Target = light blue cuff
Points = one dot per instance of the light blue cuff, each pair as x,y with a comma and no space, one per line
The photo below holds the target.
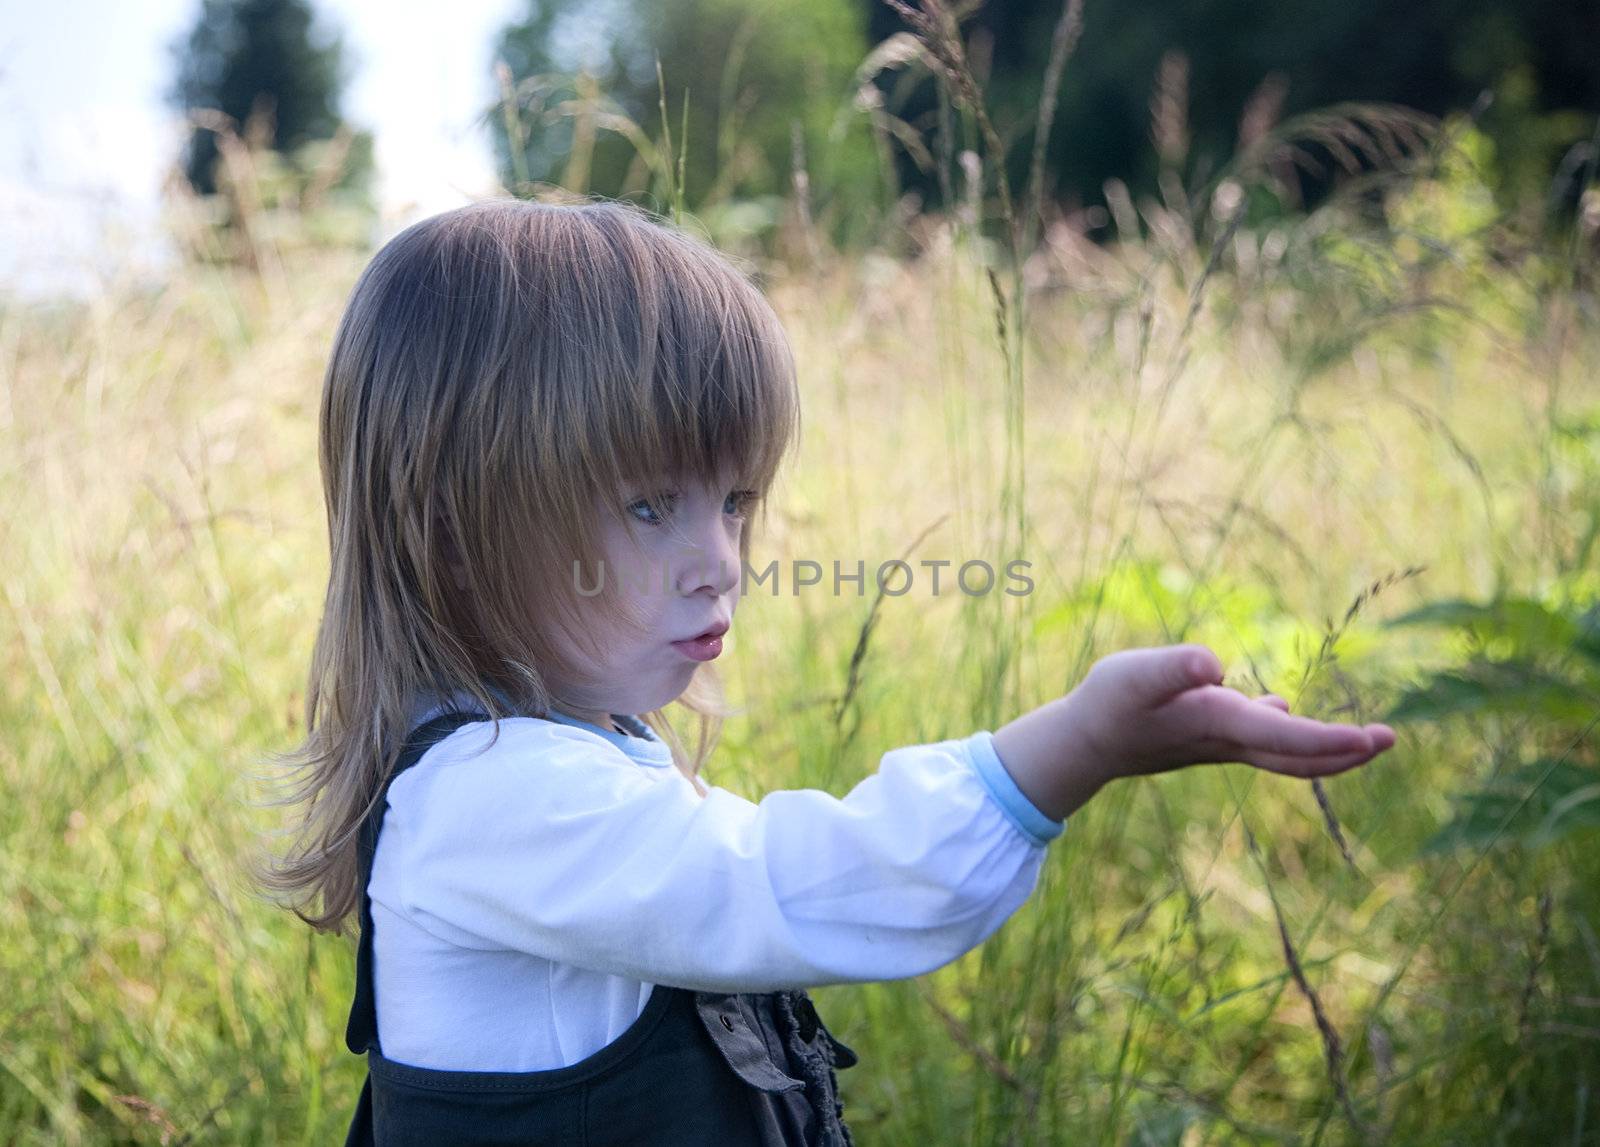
1021,811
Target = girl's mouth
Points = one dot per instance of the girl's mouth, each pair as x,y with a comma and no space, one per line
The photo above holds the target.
705,647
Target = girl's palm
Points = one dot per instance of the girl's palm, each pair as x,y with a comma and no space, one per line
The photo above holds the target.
1163,708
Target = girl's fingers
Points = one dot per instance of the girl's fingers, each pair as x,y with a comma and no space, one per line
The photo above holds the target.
1308,767
1265,728
1382,735
1269,737
1326,764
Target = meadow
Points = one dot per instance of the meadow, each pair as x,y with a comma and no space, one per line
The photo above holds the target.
1279,441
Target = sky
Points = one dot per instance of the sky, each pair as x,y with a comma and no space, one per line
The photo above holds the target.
85,135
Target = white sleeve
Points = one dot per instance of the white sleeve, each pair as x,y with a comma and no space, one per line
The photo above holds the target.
563,847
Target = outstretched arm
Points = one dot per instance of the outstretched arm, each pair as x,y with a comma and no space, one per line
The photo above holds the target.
557,844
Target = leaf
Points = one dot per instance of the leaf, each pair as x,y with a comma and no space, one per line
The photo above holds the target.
1513,687
1566,800
1530,625
1588,639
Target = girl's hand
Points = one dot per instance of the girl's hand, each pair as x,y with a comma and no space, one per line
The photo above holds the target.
1154,710
1142,711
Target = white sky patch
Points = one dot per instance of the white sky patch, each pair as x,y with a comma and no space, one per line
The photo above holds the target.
86,137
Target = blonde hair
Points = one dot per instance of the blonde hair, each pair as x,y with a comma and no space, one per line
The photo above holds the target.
496,366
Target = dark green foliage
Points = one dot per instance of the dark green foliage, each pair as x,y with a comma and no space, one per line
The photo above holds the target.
1533,805
244,56
1247,59
1547,665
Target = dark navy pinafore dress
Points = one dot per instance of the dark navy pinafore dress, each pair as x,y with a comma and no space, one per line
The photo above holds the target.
736,1070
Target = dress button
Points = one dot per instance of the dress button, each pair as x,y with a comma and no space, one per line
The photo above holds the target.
726,1022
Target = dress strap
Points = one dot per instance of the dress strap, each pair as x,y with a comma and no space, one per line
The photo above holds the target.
361,1033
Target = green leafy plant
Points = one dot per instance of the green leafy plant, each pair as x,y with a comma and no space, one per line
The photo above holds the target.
1540,661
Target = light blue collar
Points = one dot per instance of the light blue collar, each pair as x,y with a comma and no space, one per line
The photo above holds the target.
640,742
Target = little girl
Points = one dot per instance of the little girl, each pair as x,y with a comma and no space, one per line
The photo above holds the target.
543,430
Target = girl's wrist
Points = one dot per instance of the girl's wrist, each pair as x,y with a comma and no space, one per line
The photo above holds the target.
1054,756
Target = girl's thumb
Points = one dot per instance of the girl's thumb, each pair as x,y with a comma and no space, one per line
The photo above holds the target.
1151,676
1180,668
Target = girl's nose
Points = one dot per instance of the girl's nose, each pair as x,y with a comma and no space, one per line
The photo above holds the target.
711,558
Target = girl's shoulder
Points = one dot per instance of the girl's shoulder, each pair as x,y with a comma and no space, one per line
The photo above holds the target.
485,766
639,745
511,739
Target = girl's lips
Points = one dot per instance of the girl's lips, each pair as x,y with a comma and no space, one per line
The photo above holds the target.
700,648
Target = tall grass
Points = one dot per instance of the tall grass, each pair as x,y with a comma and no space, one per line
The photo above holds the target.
1203,431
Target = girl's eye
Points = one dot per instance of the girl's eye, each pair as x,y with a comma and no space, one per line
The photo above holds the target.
740,501
657,508
654,511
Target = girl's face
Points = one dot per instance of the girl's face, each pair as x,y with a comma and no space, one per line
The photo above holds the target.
682,576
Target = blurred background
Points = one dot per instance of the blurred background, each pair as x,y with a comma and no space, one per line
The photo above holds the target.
1272,327
114,111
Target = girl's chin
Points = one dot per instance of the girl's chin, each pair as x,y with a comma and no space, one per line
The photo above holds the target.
677,681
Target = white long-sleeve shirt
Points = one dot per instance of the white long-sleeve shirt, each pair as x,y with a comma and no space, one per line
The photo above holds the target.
526,896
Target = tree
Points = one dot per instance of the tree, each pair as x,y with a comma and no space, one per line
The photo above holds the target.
1536,56
766,81
261,57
